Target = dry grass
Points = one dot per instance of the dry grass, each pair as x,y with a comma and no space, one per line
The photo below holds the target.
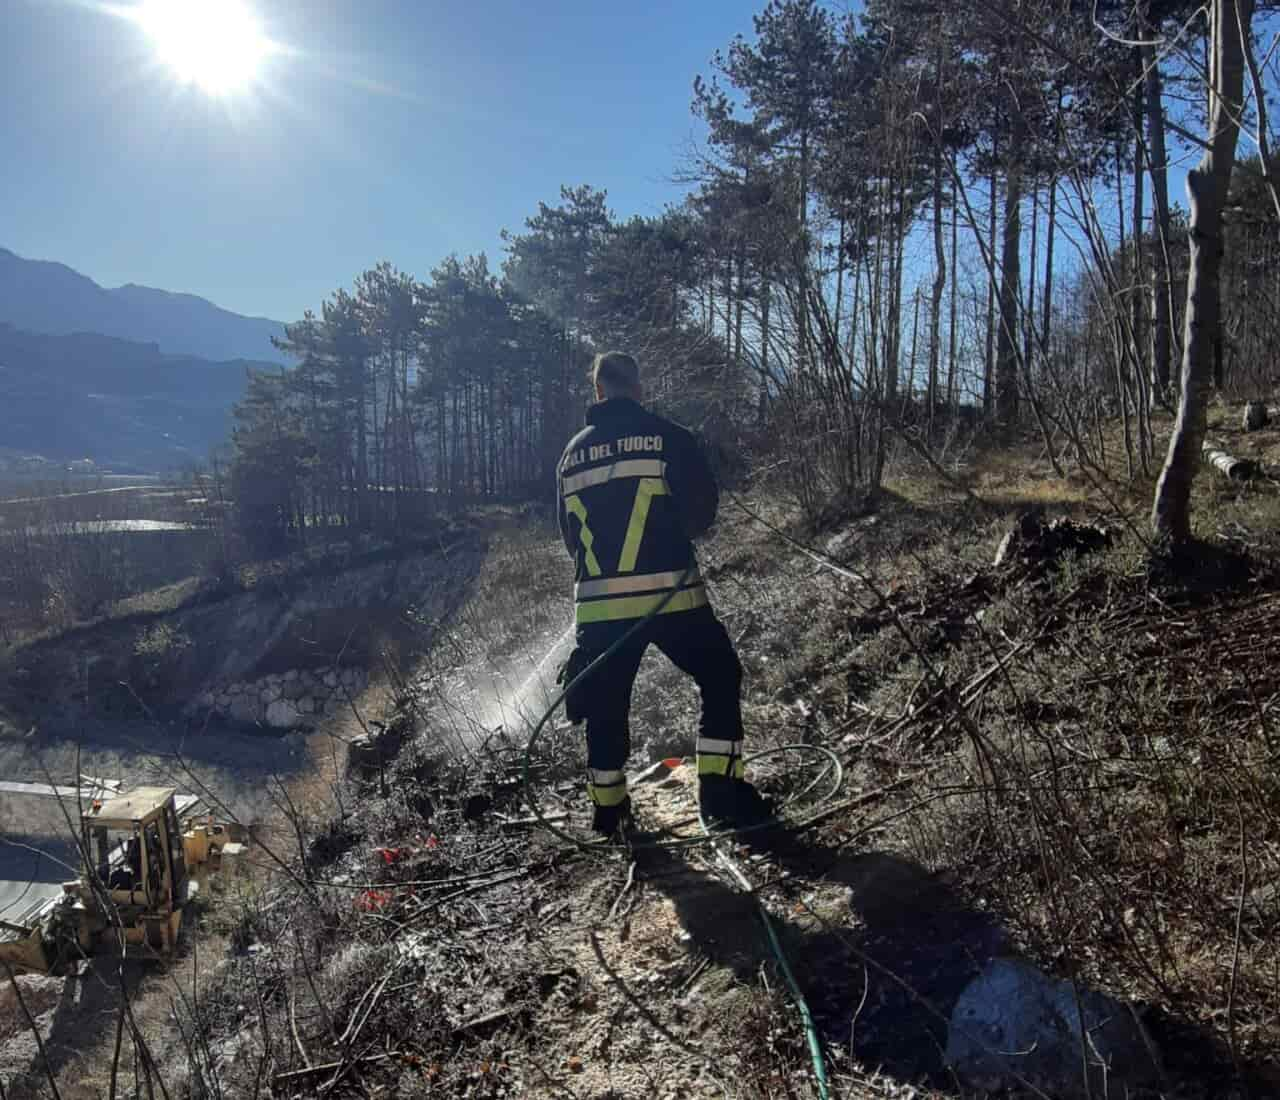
1108,793
1095,790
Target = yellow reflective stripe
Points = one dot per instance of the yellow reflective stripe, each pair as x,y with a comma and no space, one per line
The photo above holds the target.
714,764
646,490
612,795
577,508
635,607
633,583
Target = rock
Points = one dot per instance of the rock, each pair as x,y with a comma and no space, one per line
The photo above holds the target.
40,993
244,709
292,674
282,714
331,679
205,699
1255,416
843,542
1013,1019
293,689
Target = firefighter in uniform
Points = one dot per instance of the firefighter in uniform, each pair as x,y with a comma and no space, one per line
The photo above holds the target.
634,490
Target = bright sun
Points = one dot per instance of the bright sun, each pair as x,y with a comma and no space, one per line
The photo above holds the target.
215,44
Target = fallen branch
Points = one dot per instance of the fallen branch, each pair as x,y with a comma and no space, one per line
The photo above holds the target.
527,822
486,1020
853,803
310,1071
631,877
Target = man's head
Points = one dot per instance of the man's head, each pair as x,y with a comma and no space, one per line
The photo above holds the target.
615,374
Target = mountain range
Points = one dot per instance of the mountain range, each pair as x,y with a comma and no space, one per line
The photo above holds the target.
126,406
42,296
134,379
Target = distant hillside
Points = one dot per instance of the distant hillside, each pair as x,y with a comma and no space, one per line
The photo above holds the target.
40,296
120,403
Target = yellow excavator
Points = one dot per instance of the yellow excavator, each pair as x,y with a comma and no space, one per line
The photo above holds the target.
142,866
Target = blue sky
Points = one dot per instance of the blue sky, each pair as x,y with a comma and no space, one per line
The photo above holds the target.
388,129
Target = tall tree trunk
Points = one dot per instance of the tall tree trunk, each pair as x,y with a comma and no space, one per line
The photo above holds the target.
1162,284
728,303
739,303
1029,319
915,330
1010,284
766,293
835,324
1050,232
989,363
897,260
952,396
362,450
1219,372
1207,191
1137,300
939,277
802,248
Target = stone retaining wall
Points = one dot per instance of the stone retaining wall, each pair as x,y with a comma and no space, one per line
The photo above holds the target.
285,700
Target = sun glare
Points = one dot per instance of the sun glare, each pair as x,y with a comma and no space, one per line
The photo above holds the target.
216,45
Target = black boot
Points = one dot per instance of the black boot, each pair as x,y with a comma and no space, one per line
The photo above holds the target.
727,803
607,820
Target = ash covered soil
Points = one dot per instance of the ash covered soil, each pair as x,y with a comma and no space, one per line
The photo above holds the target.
423,936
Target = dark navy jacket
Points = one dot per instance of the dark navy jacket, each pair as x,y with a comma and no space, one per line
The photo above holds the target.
634,490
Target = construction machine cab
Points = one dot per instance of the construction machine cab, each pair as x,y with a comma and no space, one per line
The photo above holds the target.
134,846
143,865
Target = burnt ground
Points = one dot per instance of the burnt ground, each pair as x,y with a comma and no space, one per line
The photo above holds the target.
1069,759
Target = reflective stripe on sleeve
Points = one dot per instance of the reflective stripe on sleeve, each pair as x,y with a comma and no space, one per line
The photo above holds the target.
641,582
635,607
631,467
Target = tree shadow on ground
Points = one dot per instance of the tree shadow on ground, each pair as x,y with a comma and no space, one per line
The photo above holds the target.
883,974
898,916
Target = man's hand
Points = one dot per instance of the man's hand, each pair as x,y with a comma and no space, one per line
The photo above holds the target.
575,700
